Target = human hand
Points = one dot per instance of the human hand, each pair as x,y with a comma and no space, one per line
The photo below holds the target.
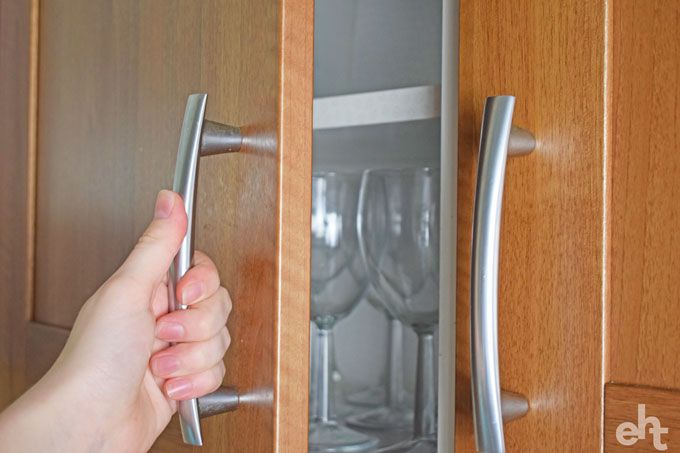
115,385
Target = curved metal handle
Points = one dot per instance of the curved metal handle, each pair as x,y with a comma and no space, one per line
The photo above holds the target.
498,140
197,138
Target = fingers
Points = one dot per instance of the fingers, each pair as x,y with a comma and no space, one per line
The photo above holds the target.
189,358
150,259
199,282
195,386
199,322
192,369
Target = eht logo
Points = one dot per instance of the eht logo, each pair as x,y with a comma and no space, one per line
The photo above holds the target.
627,433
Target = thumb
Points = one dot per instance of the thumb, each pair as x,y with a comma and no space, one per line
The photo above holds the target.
150,260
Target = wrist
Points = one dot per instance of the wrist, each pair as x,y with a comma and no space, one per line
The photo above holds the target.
55,417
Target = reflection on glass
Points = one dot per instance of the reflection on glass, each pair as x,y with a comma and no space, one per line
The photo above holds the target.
395,412
398,225
338,282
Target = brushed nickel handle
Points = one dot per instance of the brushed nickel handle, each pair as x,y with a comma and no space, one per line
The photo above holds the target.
198,137
224,399
489,404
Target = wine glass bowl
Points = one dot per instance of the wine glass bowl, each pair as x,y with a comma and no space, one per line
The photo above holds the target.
398,229
338,273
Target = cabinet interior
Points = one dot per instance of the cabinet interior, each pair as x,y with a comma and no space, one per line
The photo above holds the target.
377,98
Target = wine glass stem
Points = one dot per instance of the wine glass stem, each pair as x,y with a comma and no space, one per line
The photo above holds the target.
395,364
323,405
425,421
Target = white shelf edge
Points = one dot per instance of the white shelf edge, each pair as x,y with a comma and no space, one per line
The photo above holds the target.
377,107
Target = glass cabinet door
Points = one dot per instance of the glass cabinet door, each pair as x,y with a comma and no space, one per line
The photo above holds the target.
376,230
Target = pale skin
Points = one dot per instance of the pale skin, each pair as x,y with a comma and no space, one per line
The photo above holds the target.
116,384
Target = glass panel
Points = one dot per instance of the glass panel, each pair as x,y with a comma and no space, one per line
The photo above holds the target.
375,227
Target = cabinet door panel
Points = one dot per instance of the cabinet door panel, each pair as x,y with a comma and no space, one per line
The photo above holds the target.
551,56
645,246
110,85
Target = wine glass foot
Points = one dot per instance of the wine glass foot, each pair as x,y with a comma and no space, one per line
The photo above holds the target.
330,437
370,397
383,418
421,445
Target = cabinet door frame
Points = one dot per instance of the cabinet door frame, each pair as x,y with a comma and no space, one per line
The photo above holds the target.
448,226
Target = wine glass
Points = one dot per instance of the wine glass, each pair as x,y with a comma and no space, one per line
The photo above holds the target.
398,227
395,412
338,283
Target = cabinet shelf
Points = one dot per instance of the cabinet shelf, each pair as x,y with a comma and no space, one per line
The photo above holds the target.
377,107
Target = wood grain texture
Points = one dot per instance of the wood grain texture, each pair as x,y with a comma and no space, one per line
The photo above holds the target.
296,91
15,210
113,81
108,139
551,56
645,247
621,405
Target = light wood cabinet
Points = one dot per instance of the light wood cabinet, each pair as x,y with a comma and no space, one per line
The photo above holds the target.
551,56
95,98
91,98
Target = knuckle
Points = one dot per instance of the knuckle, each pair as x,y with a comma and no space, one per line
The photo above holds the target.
208,266
203,326
217,375
204,356
212,272
226,339
210,380
198,274
199,256
148,237
226,302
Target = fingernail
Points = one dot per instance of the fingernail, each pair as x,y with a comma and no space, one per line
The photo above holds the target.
192,292
178,388
169,331
164,204
164,365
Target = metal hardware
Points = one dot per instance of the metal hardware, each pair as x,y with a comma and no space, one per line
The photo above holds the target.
219,138
521,142
224,399
498,140
513,406
198,137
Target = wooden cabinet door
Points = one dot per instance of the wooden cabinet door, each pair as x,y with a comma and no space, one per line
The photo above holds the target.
551,55
643,326
91,101
588,310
